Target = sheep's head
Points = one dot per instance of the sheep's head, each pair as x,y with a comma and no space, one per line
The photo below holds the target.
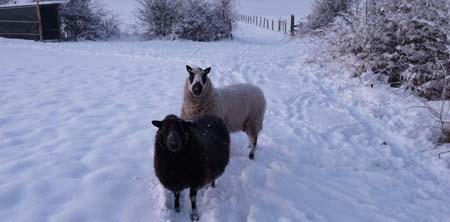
172,132
197,80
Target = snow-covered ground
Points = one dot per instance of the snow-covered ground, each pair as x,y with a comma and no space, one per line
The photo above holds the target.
76,143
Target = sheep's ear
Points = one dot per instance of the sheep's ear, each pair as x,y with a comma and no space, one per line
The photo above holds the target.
157,123
207,70
188,68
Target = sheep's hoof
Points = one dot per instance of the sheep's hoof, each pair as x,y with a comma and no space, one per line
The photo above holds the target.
252,151
195,216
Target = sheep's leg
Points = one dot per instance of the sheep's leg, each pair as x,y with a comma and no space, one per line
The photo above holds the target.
252,134
193,196
252,147
253,140
176,196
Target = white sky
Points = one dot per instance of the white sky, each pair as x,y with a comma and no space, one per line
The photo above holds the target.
300,8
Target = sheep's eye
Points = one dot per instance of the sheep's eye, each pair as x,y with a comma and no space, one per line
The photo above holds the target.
191,77
204,76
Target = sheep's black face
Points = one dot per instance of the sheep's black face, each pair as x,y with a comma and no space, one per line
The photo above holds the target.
197,80
172,130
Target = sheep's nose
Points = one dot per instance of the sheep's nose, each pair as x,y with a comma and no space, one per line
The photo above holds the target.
197,89
173,143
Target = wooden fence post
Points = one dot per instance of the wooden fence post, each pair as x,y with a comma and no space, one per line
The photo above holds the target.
272,24
38,10
292,25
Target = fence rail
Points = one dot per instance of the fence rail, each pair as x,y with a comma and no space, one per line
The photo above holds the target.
276,25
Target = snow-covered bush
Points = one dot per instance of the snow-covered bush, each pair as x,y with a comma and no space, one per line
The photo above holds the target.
198,20
84,20
159,18
404,40
325,11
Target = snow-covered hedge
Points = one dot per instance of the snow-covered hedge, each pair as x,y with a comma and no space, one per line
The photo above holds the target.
406,41
197,20
325,11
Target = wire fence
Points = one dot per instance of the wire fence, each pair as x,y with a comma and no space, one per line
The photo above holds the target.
277,25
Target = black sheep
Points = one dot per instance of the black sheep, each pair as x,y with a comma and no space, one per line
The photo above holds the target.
190,154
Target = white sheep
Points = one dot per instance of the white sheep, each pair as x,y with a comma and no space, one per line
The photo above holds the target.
241,106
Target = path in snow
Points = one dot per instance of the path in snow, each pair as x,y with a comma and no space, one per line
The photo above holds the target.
76,142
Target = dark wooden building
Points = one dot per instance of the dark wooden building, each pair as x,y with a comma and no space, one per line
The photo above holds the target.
21,21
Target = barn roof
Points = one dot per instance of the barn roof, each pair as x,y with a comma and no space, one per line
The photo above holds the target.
19,5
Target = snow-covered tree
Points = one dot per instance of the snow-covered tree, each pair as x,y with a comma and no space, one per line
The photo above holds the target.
325,11
198,20
224,15
207,20
82,19
159,18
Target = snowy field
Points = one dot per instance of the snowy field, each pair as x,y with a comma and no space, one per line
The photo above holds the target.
76,143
